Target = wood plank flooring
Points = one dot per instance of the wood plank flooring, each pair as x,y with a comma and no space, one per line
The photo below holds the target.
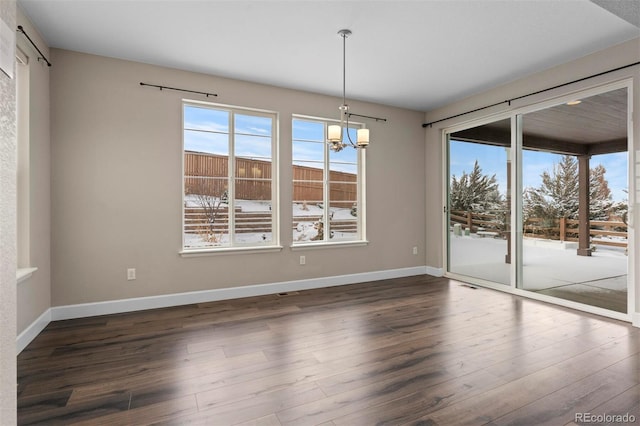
411,351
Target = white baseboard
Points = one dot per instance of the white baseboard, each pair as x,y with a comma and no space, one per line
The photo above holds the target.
30,333
84,310
162,301
436,272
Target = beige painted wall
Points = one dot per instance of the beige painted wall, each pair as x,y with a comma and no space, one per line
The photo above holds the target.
7,235
617,56
34,293
116,184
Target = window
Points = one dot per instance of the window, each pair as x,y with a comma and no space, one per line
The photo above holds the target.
327,186
229,177
23,175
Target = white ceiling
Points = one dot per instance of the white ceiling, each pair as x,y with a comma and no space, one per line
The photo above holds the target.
414,54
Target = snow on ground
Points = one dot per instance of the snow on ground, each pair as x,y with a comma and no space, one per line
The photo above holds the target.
304,233
253,206
196,241
301,210
306,230
545,263
337,213
192,201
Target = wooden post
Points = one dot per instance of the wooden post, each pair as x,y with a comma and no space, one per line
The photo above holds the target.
584,227
563,228
469,221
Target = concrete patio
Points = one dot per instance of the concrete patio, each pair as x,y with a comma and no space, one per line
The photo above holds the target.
550,267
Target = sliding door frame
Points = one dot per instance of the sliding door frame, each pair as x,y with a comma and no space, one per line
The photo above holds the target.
445,198
515,115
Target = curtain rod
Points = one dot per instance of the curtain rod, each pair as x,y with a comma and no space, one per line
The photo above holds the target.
20,29
366,116
179,90
531,94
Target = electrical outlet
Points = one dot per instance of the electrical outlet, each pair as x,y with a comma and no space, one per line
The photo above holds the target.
131,274
415,250
303,260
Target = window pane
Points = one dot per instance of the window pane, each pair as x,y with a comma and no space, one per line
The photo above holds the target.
253,125
253,207
343,211
308,151
325,185
206,130
206,216
345,161
202,141
307,192
252,136
308,130
213,120
343,187
307,220
204,165
258,147
479,208
253,169
317,166
345,169
209,213
308,182
306,170
347,155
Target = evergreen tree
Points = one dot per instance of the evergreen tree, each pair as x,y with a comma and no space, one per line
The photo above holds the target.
620,210
557,196
600,199
475,191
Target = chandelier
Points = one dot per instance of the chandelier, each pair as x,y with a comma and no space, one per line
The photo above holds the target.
335,132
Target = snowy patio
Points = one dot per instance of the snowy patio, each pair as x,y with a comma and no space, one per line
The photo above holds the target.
550,267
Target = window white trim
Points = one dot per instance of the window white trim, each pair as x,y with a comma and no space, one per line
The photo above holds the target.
23,173
228,250
23,274
360,184
234,246
330,244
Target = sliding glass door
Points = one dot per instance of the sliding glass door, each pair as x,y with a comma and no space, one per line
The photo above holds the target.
478,205
564,169
575,201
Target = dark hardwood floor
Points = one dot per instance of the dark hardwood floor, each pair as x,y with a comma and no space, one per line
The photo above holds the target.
415,351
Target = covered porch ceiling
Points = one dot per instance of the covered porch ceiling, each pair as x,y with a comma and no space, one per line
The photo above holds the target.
596,125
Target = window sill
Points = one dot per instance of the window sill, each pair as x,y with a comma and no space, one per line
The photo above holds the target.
307,246
23,274
229,250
